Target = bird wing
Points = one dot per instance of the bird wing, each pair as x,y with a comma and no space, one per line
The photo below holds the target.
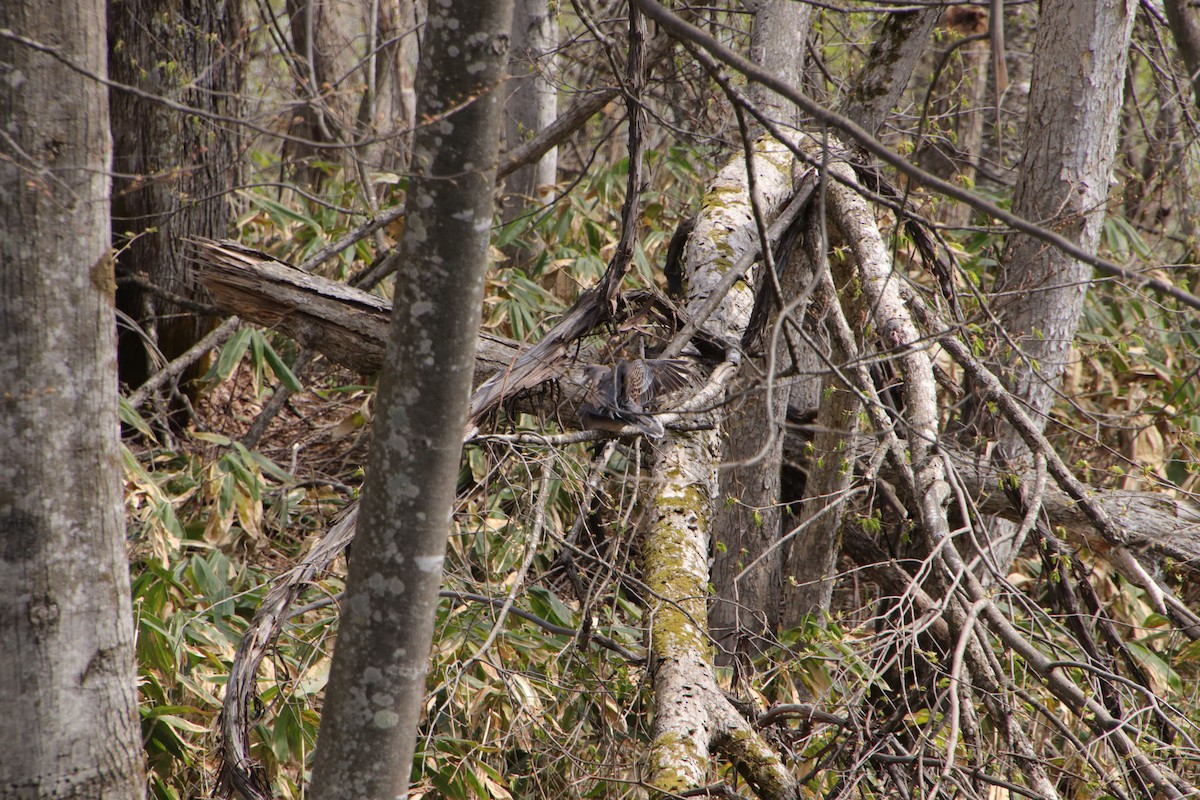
663,376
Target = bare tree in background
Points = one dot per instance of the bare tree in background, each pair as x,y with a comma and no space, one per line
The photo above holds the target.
1081,53
532,104
749,520
351,61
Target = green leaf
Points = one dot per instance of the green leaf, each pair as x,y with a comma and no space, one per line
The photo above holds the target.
133,419
265,464
212,438
281,370
248,480
231,354
547,604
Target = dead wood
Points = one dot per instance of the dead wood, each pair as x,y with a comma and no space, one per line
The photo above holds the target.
239,771
348,327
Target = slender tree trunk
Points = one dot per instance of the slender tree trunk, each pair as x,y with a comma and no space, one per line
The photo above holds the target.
388,112
810,569
67,693
889,66
808,560
1081,53
377,682
1184,19
174,172
532,103
953,136
325,62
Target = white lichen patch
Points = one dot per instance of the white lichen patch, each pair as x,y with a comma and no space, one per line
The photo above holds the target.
726,229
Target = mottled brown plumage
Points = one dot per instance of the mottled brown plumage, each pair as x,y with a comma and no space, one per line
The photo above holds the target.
618,396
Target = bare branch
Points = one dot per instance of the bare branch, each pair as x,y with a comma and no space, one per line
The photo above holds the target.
683,30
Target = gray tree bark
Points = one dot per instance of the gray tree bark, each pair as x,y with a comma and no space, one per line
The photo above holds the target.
810,567
532,103
777,43
1081,53
377,681
388,111
749,518
1184,19
324,59
67,693
173,173
753,600
889,66
953,138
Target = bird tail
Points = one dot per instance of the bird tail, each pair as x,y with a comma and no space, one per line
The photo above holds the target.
648,425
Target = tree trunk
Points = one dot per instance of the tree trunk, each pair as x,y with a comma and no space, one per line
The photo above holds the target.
693,717
812,553
750,516
324,61
173,172
953,136
1184,19
889,66
1081,53
746,557
810,568
377,681
532,103
388,113
68,697
777,43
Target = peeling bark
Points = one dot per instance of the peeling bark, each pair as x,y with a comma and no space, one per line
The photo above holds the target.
692,715
745,573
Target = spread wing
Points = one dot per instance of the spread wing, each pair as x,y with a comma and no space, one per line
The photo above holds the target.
615,395
663,376
630,385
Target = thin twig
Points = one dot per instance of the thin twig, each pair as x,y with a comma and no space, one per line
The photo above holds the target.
177,367
684,30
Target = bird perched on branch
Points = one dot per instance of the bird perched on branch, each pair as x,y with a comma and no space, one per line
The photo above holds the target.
619,395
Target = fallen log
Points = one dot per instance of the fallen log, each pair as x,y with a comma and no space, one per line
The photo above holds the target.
349,327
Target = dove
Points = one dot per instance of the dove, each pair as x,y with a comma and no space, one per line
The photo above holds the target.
618,395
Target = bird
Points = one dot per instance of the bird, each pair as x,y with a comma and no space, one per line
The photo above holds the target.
617,396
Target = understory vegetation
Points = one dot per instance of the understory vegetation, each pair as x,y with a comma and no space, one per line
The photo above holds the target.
517,707
539,685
